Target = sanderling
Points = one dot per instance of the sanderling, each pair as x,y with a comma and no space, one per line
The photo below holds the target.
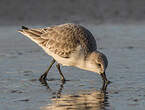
70,45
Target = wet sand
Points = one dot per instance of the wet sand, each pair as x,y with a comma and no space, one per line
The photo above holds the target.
22,62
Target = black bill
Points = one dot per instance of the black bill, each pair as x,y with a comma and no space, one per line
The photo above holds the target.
104,78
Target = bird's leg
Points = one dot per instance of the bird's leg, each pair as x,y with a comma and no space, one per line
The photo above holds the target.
62,77
44,75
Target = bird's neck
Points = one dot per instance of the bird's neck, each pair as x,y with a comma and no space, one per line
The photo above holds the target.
85,63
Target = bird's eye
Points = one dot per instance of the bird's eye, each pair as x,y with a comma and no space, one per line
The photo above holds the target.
99,65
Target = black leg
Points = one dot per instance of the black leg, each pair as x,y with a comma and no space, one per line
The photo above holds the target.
43,76
62,77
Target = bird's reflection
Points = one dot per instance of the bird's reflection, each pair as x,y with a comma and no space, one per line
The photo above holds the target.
58,93
86,100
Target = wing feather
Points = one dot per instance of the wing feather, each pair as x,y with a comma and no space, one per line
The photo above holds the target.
64,39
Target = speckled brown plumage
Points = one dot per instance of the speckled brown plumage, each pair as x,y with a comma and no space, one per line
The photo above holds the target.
64,39
69,45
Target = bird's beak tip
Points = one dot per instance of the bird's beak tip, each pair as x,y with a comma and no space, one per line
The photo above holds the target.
104,78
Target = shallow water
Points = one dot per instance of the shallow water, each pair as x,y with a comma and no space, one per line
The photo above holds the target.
22,62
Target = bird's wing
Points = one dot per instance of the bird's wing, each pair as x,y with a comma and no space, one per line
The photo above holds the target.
64,39
60,40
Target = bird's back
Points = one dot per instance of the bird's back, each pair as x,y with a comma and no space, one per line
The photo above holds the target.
64,39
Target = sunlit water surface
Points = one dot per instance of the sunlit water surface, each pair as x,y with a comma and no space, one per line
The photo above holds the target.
22,62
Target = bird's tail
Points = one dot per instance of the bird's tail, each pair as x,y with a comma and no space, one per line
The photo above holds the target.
33,34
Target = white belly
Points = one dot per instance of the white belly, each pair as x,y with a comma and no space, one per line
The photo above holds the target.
64,61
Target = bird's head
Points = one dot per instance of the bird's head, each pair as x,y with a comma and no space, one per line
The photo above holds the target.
97,62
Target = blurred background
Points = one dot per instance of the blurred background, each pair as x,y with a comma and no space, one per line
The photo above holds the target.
16,12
